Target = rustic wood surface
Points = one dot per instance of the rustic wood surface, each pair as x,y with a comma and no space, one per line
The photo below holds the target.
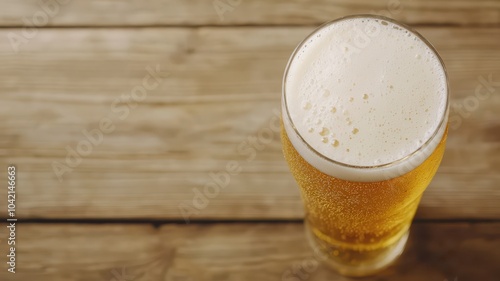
246,12
249,251
116,215
65,81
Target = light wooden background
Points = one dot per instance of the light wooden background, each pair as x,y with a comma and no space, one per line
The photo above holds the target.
118,211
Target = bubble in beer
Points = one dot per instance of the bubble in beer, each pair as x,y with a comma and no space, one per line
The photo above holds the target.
306,105
324,132
335,143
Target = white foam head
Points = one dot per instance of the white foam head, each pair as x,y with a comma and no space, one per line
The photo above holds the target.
365,99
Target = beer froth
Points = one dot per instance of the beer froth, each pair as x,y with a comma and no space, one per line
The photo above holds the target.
364,92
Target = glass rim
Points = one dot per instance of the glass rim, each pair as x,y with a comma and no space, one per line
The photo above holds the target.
425,144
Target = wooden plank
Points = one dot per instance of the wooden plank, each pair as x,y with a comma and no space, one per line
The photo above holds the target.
64,252
436,251
223,87
241,12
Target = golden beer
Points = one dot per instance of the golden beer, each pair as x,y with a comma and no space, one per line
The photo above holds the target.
358,210
357,223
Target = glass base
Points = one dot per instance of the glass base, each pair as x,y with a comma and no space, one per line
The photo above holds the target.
368,263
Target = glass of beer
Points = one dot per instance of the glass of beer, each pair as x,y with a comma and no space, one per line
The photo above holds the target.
364,124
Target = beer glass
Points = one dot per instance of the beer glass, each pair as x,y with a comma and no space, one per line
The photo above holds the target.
364,124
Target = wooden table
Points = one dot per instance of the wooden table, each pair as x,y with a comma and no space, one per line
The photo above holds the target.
72,79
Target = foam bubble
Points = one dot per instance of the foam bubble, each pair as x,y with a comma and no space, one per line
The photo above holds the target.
383,93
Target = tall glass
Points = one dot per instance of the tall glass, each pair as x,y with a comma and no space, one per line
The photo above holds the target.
360,160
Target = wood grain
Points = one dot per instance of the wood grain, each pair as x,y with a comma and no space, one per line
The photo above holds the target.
243,12
65,252
223,86
436,251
